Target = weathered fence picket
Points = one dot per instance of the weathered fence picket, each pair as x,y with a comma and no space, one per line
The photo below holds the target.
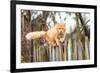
75,57
87,51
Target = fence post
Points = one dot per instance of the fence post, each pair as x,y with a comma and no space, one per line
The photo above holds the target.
87,51
75,50
65,55
80,50
69,49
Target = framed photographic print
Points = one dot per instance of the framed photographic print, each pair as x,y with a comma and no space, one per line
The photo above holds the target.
52,36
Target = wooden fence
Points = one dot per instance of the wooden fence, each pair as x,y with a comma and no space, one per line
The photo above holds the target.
72,49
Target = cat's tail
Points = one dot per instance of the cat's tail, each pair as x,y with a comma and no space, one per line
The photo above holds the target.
35,35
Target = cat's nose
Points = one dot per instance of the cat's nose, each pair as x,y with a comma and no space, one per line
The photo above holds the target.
60,33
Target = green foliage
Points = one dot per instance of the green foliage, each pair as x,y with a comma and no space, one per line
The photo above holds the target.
77,27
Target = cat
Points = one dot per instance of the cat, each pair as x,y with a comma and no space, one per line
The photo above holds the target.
53,36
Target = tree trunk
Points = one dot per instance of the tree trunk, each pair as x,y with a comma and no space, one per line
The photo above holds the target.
87,33
25,28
